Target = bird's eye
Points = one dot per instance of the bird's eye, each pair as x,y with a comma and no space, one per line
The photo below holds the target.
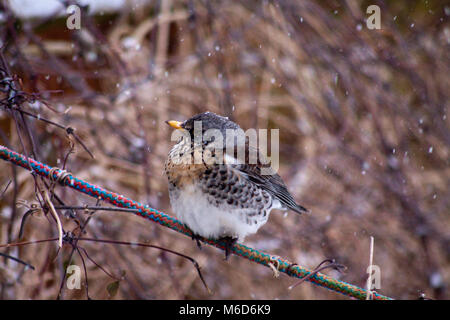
187,125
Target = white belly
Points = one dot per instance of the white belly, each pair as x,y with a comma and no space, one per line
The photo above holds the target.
205,219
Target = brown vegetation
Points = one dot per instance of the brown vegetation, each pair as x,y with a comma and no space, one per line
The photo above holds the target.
364,129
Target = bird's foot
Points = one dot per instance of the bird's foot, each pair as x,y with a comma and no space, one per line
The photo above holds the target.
197,238
229,245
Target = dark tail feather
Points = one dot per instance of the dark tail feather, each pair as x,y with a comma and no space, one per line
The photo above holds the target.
298,208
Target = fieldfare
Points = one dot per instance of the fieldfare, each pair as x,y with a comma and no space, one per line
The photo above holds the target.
214,192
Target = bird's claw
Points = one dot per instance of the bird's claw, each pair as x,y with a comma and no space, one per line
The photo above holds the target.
229,245
197,238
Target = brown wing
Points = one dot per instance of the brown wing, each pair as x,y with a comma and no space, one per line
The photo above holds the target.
272,183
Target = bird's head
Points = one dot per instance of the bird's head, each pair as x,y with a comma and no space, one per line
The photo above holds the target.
208,120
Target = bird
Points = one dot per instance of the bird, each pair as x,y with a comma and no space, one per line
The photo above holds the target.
222,199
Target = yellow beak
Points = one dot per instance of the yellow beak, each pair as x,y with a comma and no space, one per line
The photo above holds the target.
174,124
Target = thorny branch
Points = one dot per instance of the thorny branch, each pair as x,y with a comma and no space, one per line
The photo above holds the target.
72,240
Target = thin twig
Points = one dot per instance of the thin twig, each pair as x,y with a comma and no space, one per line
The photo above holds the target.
69,130
4,190
24,219
17,260
369,280
85,273
140,244
25,243
331,264
55,215
97,265
96,208
74,243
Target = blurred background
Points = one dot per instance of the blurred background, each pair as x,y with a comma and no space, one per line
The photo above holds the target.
364,139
